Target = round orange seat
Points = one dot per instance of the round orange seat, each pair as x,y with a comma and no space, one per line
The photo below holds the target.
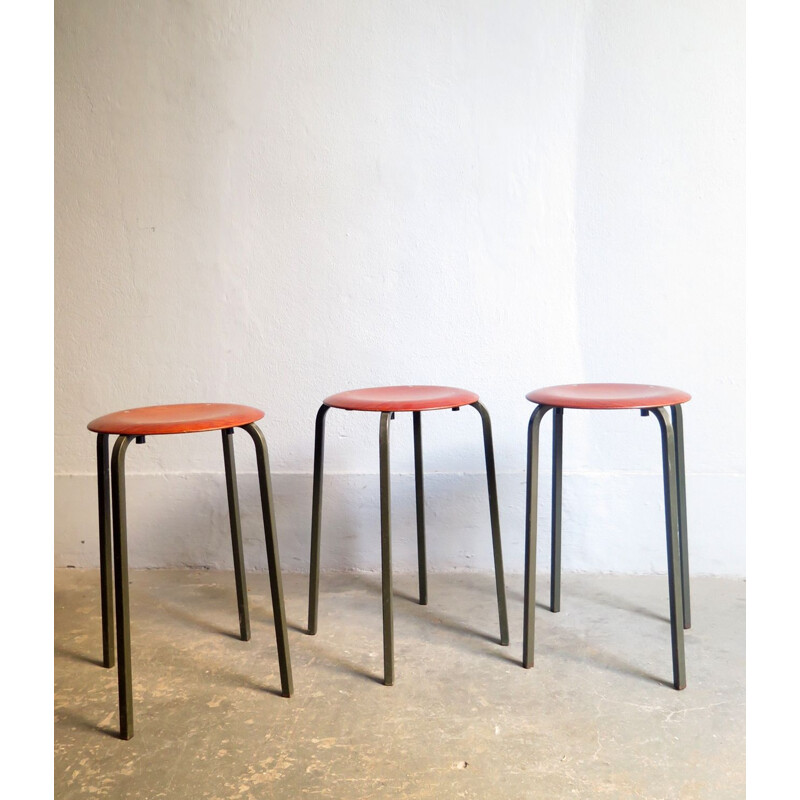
180,418
608,396
402,398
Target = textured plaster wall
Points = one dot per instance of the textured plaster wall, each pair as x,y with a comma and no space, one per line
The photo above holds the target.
267,202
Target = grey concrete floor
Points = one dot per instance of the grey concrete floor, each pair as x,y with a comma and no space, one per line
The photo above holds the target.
596,717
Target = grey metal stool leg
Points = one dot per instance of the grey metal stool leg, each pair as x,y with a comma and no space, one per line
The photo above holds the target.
106,557
683,535
236,534
316,520
529,600
494,513
273,560
555,511
673,546
420,495
386,551
121,586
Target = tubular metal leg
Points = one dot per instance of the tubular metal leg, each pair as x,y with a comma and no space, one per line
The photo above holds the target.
273,560
121,586
555,511
236,534
673,547
683,536
386,551
316,520
494,513
529,601
106,557
418,480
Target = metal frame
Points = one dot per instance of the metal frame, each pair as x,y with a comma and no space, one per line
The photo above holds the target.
674,479
680,465
236,534
106,550
112,516
422,561
386,548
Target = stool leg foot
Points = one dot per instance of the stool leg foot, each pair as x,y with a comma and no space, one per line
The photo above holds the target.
555,512
236,534
273,560
386,552
673,547
420,493
316,520
531,508
121,586
683,536
106,555
494,515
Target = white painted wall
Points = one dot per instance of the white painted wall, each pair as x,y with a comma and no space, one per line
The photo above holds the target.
268,202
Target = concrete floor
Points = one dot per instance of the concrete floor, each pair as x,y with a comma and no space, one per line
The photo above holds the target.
596,717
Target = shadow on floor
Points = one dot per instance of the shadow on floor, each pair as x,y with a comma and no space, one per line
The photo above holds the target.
63,652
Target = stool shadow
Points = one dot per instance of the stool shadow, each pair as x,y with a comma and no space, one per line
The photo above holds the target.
603,659
237,680
607,599
73,655
513,594
202,624
221,669
333,661
79,721
262,615
178,612
606,661
617,601
577,650
438,618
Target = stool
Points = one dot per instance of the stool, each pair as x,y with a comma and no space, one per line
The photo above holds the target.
387,400
135,424
665,405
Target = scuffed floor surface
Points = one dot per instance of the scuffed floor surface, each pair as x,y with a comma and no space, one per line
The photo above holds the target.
596,717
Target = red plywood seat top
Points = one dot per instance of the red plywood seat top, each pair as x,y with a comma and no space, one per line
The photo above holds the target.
402,398
181,418
608,395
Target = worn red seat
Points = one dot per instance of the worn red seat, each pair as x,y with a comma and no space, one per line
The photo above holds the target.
389,400
133,425
664,404
180,418
402,398
608,395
